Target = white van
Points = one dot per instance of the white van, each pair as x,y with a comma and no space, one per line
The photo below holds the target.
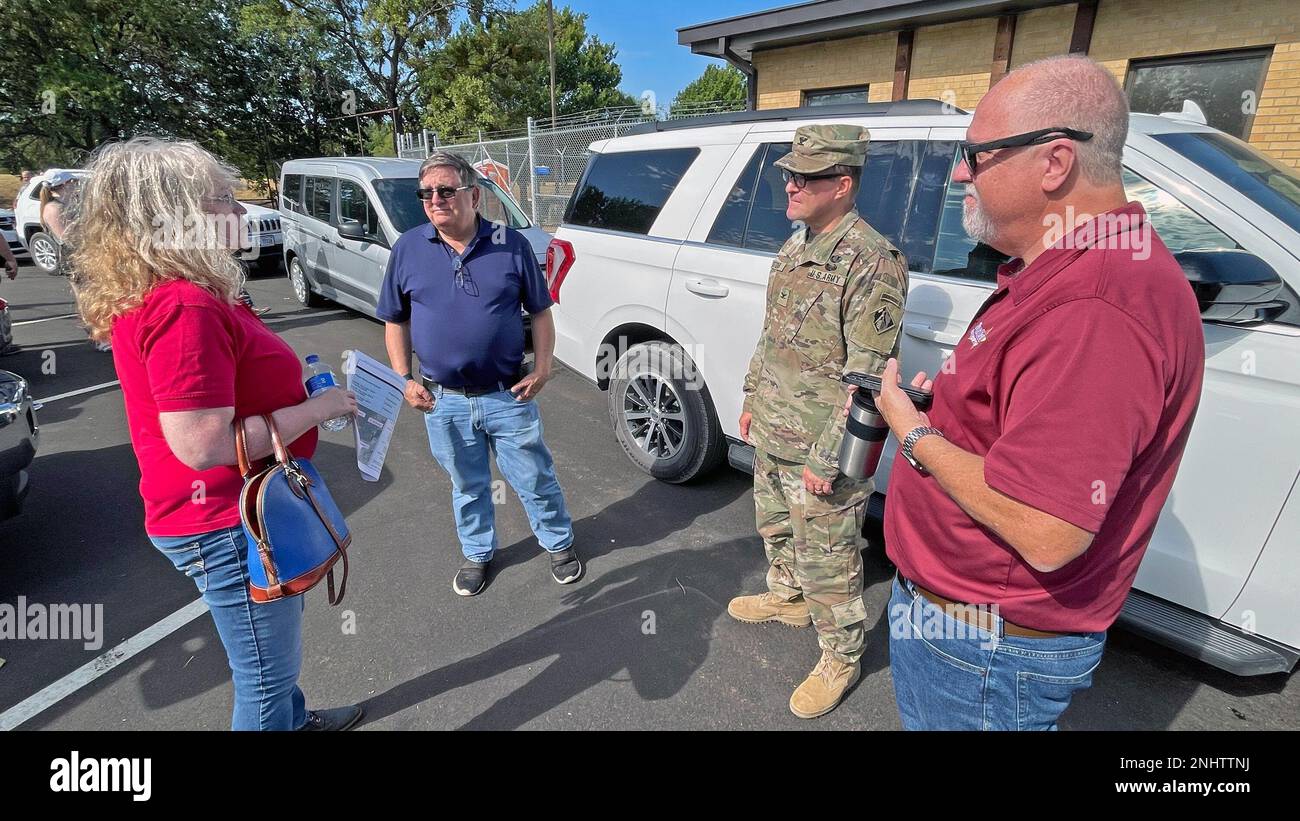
342,215
666,247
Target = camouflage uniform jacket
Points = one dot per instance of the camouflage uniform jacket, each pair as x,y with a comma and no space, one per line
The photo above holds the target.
834,305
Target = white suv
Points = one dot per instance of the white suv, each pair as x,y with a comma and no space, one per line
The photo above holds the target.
660,270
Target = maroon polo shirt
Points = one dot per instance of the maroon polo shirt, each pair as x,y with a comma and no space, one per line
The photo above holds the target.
1077,382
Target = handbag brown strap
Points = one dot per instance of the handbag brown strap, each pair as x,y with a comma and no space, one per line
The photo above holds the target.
241,448
283,457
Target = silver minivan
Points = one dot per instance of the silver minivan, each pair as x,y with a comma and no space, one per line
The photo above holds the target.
341,216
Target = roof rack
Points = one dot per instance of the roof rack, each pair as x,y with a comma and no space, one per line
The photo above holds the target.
822,112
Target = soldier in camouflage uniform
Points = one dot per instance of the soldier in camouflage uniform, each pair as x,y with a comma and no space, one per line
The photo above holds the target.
834,305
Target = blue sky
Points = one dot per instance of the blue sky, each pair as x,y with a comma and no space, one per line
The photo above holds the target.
645,32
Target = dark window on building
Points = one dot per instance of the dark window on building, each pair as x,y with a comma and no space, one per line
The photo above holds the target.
835,96
317,196
625,191
291,196
1225,86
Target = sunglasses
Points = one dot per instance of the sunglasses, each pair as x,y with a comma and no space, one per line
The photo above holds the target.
444,191
800,180
970,151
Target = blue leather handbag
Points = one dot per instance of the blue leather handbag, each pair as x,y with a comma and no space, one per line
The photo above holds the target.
295,530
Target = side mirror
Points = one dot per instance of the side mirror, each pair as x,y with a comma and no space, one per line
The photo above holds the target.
1234,287
353,230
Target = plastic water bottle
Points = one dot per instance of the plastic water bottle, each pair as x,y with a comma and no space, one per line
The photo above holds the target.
322,379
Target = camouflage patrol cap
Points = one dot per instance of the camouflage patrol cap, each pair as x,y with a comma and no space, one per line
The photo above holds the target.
818,147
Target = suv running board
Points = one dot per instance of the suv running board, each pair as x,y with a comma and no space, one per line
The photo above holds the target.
1205,638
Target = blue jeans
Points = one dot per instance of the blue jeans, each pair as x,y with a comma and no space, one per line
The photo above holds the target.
462,430
263,641
949,675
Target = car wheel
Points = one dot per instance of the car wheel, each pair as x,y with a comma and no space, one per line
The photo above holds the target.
663,415
44,251
301,287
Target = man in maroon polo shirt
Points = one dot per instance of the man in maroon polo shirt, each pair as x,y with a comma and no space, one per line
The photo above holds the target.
1021,505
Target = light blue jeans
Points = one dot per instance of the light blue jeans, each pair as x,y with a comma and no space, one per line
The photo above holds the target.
463,430
952,676
263,641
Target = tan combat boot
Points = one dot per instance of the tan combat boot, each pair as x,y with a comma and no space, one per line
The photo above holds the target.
824,687
766,607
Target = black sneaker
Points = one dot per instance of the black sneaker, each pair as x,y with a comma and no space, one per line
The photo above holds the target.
470,579
339,718
565,565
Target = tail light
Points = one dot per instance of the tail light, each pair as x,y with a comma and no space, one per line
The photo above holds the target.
559,259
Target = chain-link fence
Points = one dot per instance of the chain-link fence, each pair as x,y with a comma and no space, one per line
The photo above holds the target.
541,165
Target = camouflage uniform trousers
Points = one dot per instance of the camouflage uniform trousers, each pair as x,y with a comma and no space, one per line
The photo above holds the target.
813,552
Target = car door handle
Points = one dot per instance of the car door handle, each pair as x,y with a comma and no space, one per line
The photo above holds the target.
929,334
707,287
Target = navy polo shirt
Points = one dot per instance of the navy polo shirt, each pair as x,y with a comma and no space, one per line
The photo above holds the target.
466,330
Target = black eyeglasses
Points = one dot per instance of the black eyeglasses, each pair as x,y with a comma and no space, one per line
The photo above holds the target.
444,191
463,278
971,151
800,180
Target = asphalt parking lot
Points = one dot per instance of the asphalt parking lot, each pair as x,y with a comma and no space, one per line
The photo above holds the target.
642,641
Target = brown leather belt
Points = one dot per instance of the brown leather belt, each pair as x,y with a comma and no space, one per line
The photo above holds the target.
980,617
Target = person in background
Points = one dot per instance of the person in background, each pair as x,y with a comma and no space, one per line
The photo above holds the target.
193,362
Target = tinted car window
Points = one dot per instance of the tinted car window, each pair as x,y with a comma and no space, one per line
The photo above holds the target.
625,191
1179,227
729,227
1269,184
397,198
317,195
768,227
355,206
291,195
956,254
495,206
901,194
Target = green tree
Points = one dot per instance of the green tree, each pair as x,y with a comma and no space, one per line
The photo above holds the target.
721,84
381,40
82,72
493,73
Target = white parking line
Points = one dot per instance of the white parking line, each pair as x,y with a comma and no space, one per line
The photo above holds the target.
78,392
74,681
276,318
43,319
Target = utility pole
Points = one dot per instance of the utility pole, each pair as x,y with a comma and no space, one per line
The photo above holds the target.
550,48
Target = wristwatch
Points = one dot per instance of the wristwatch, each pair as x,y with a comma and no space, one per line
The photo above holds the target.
910,442
406,377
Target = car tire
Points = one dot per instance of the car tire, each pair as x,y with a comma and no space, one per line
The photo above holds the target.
302,286
663,415
44,252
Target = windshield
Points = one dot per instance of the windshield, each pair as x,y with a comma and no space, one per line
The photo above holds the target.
1266,182
397,195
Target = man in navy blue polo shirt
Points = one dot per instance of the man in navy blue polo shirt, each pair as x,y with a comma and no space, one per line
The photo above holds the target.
453,289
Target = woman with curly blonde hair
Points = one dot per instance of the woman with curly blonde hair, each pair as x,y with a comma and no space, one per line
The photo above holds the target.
153,233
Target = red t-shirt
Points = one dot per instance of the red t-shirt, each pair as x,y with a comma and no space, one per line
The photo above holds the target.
1077,382
185,349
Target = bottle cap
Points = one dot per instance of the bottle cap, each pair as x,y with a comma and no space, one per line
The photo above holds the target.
312,359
